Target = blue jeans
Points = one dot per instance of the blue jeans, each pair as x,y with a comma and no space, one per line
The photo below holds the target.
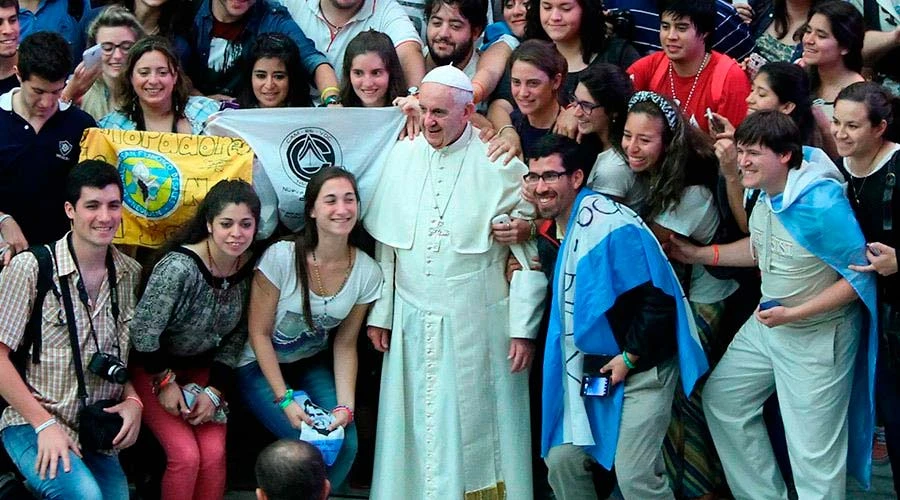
95,477
313,376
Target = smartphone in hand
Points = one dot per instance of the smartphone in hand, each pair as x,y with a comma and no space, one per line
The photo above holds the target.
92,57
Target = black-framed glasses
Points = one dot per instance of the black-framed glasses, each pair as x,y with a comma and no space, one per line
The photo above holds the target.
548,177
586,107
109,47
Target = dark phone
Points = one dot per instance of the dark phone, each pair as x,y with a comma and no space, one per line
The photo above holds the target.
594,383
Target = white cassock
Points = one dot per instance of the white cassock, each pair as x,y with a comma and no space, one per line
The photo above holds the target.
453,421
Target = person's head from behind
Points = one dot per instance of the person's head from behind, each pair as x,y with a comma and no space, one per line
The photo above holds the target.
153,80
116,30
555,174
453,26
686,28
44,63
94,202
228,216
515,14
537,71
569,22
601,101
833,35
445,100
276,77
291,469
372,75
9,28
783,87
864,114
768,145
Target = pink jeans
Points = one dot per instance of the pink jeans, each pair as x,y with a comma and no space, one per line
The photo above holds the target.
195,455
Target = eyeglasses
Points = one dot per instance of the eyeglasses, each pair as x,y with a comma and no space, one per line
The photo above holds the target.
586,107
109,47
548,177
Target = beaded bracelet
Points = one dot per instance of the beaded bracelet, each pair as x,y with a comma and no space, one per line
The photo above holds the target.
48,423
346,409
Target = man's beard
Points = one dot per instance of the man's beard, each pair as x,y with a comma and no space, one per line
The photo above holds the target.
459,54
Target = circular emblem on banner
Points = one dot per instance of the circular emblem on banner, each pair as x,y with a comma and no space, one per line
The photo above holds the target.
152,183
306,150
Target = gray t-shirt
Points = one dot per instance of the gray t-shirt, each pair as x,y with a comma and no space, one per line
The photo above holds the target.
292,337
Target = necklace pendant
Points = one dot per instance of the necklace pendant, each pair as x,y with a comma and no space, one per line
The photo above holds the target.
225,284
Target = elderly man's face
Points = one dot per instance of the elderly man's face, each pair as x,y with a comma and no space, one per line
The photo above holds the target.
444,117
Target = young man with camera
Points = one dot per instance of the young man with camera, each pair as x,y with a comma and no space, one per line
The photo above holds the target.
617,340
62,429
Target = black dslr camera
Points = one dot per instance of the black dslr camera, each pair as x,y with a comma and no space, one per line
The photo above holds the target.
108,367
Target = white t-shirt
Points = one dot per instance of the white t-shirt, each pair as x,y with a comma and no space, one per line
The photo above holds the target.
386,16
291,337
696,217
612,177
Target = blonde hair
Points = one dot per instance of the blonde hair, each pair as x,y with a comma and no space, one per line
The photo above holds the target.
115,16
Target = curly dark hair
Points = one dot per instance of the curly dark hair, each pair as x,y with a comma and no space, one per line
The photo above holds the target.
593,27
277,46
130,104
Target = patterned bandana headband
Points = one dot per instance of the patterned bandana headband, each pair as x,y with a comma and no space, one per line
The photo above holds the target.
668,111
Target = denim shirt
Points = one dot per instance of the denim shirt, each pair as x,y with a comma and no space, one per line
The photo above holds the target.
263,17
51,15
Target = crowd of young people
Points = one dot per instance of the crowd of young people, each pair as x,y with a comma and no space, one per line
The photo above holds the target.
718,157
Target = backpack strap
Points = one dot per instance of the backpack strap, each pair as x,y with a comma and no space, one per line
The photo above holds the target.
32,336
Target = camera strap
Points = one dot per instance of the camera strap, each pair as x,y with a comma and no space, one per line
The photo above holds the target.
113,294
73,335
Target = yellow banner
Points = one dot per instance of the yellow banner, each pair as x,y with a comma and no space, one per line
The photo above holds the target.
165,176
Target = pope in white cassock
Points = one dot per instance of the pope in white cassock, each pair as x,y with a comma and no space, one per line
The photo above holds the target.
453,421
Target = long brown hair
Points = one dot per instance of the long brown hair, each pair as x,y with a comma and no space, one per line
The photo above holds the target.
308,238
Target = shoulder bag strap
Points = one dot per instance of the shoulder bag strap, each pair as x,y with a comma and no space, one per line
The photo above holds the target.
73,337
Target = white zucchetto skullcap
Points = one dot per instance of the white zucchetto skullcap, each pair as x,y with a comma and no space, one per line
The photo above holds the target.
450,76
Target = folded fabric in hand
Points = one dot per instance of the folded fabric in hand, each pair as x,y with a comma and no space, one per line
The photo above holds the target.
318,435
190,393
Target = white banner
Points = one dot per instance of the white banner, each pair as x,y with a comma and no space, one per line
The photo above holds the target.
293,144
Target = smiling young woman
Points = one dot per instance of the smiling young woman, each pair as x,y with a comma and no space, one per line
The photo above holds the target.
154,93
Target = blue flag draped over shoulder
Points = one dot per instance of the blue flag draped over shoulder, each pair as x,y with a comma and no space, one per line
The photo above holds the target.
607,251
816,213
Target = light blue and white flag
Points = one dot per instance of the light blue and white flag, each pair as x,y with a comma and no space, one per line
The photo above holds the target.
607,251
293,144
